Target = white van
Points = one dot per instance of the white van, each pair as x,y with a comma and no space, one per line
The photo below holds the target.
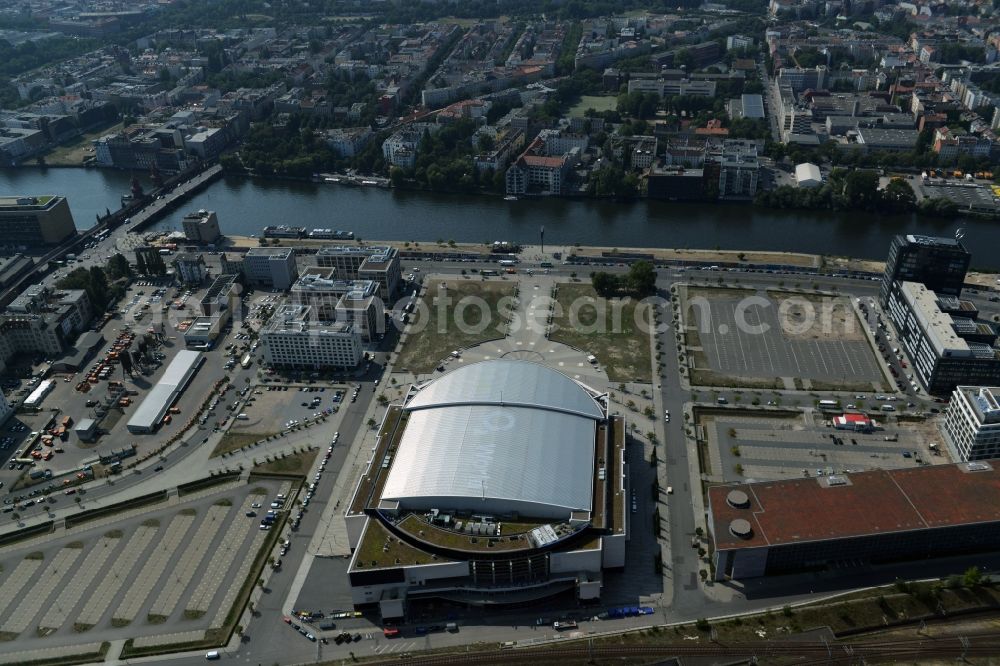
887,408
212,656
242,417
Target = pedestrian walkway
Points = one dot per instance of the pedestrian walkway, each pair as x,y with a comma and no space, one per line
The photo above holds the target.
331,538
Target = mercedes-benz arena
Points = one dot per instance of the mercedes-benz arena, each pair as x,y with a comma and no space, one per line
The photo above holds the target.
501,481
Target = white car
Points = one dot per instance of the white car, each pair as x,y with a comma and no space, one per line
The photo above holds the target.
666,416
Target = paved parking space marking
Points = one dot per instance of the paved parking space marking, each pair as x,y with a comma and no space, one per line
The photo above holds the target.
77,585
17,580
244,570
32,603
732,349
190,559
150,573
168,639
116,576
236,584
220,563
214,490
27,656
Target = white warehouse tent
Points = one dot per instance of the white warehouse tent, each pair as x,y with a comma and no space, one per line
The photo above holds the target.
808,174
162,395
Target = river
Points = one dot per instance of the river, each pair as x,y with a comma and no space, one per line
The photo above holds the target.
245,206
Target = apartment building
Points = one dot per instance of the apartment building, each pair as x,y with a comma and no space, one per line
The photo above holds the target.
738,168
497,159
20,143
972,423
190,267
349,141
544,165
270,266
537,173
40,321
950,144
799,79
637,152
377,263
296,338
947,345
663,87
400,149
353,301
38,299
33,221
362,308
142,149
739,42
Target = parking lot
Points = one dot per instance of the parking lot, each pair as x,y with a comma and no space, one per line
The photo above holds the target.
174,568
740,339
970,196
111,405
270,408
745,445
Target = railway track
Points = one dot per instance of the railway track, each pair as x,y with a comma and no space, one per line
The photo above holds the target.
807,652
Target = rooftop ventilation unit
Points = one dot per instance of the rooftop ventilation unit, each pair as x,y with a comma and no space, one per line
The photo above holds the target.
741,529
738,499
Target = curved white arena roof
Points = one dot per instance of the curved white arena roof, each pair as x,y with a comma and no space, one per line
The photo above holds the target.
508,382
465,448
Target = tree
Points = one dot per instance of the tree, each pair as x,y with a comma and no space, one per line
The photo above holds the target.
861,189
610,180
486,143
898,197
641,278
118,267
938,207
99,279
500,181
604,283
972,577
92,281
396,176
